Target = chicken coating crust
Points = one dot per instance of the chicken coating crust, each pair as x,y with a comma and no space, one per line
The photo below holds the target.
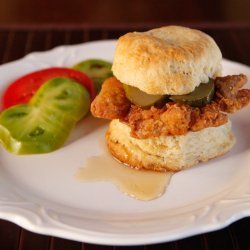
111,103
209,116
172,118
228,94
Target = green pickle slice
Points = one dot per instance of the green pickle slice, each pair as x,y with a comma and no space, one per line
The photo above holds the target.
45,123
202,95
98,70
141,98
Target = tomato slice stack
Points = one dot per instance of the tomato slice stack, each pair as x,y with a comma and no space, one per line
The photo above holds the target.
22,89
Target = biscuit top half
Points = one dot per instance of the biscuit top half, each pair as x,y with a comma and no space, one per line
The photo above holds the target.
171,60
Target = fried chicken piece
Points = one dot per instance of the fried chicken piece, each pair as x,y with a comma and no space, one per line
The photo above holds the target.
172,119
228,94
209,116
111,103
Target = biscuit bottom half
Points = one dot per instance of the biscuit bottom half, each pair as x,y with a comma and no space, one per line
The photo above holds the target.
168,153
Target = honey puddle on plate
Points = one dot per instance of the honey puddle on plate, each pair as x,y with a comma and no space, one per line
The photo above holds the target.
140,184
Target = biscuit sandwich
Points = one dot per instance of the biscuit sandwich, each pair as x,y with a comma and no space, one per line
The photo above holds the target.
167,101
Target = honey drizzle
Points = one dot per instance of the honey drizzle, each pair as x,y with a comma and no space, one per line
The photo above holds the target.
140,184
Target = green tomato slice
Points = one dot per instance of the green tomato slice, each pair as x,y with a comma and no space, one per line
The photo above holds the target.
98,70
45,123
65,95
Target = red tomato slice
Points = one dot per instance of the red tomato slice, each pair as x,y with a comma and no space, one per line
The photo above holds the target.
22,89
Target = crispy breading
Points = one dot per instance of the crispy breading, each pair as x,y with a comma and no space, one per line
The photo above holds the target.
111,103
229,95
209,116
172,118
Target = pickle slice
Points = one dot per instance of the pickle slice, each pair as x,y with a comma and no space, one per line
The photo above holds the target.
202,95
98,70
141,98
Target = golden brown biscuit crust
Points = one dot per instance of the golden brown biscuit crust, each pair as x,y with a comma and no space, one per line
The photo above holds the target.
168,60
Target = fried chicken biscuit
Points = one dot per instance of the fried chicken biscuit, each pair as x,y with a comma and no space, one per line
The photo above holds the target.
168,135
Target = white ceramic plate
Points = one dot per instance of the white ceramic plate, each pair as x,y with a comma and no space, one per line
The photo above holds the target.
40,193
